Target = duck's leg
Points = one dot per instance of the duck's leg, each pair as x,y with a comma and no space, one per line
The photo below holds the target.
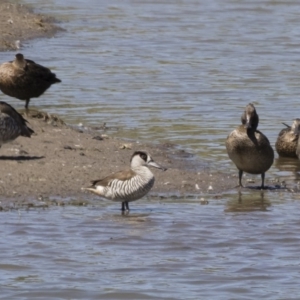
262,180
27,103
127,205
240,178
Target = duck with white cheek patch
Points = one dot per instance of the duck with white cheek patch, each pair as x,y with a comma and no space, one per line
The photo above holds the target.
130,184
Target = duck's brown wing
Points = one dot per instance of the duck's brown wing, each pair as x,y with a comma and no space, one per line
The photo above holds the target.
283,131
121,175
40,71
10,111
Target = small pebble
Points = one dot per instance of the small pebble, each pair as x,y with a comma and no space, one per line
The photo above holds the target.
98,138
18,44
125,146
250,180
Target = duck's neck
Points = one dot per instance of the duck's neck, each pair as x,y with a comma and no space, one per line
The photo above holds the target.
19,63
143,171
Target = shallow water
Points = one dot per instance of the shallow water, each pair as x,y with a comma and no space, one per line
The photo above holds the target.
232,248
184,71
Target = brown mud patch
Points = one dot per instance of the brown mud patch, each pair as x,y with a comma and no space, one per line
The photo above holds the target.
58,160
19,23
51,167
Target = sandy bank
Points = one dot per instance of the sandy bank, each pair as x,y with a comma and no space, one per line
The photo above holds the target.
58,160
19,23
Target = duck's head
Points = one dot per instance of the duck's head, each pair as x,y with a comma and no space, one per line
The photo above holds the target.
296,127
19,56
250,117
19,61
142,158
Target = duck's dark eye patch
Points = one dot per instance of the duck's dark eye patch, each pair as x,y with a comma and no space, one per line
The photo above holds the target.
143,156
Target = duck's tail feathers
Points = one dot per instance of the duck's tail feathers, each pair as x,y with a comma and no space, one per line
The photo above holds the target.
26,131
288,126
94,190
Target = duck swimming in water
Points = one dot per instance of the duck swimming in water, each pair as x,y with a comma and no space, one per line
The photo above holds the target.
130,184
287,141
12,124
248,148
24,79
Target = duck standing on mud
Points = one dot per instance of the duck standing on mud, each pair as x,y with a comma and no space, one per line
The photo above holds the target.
130,184
12,124
248,148
24,79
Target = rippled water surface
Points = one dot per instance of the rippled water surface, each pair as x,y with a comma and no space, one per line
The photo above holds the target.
243,247
176,71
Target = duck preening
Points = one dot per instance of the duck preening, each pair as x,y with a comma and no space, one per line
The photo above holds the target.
24,79
287,141
248,148
130,184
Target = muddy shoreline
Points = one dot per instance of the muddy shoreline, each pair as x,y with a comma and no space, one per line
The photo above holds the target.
52,166
19,24
59,159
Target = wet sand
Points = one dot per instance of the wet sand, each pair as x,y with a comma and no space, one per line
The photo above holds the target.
19,23
58,160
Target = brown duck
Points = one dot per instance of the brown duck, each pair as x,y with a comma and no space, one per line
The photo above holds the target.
24,79
287,141
12,124
248,148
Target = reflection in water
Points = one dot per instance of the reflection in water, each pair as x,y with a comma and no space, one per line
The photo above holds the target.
248,202
289,168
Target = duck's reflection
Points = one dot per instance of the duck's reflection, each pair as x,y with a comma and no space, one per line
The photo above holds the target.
288,167
255,201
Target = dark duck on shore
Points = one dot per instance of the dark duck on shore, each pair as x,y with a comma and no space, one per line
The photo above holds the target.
287,141
12,124
248,148
130,184
24,79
